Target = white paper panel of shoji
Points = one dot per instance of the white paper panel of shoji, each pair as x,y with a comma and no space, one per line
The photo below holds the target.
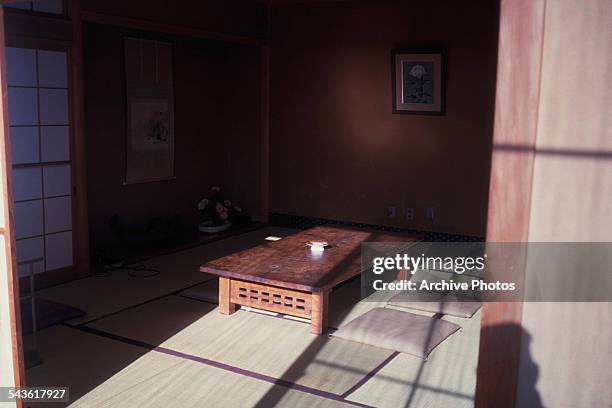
49,6
23,106
24,145
20,66
52,71
55,141
57,180
58,248
27,249
28,219
27,183
58,214
53,106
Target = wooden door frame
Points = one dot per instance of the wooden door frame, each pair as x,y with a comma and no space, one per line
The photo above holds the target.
521,36
7,230
79,159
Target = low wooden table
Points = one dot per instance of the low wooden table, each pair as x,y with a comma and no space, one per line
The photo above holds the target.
286,277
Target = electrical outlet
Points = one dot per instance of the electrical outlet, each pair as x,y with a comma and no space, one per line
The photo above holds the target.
409,214
391,212
429,213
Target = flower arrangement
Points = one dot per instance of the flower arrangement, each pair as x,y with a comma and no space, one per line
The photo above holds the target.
218,210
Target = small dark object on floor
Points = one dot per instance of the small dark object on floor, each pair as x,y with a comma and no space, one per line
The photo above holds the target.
48,313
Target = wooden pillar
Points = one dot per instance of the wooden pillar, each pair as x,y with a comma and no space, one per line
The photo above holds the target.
264,175
521,34
265,133
81,227
225,305
11,349
319,309
403,274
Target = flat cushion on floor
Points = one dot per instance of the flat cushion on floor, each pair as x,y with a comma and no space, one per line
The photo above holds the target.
397,330
444,303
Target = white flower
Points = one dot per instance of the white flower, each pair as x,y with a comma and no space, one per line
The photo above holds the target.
219,208
227,203
202,204
223,215
418,71
236,208
215,188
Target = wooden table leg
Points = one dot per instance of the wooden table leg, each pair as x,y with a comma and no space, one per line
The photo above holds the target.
403,274
318,321
225,305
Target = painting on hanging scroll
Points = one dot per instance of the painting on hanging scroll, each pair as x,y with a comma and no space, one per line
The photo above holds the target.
150,119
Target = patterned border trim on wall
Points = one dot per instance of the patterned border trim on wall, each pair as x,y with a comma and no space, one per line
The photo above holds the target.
302,222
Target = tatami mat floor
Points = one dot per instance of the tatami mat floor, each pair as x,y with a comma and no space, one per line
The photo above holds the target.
161,349
99,296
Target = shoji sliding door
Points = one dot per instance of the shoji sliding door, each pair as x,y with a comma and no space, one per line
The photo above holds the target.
39,124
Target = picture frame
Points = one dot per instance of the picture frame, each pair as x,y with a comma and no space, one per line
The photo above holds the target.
418,81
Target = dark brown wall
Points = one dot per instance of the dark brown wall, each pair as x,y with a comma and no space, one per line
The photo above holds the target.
204,128
336,151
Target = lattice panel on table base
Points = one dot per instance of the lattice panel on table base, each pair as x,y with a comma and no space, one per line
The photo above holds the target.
280,300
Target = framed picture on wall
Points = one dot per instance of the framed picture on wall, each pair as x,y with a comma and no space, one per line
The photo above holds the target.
418,80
